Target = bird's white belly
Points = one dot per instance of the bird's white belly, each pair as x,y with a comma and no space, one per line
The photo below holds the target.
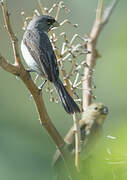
29,59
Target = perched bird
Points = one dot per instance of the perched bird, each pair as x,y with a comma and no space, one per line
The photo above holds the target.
91,126
38,53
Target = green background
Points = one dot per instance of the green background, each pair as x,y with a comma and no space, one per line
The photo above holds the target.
25,148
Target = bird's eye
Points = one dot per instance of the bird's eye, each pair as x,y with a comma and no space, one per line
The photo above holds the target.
96,108
48,22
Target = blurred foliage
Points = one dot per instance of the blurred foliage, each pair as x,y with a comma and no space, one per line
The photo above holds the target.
25,149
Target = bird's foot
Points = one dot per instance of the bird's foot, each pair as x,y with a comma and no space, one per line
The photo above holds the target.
42,85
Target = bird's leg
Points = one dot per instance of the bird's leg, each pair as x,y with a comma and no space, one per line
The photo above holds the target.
41,86
30,70
37,76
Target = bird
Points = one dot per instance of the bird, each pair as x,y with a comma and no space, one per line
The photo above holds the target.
39,55
91,128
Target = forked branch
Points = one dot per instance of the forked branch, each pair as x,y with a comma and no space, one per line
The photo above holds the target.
18,69
101,19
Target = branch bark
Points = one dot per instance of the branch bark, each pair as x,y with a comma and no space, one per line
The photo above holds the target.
8,67
91,58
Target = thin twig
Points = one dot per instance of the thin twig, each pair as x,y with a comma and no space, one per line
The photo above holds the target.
108,11
58,10
77,140
52,8
99,10
41,7
71,70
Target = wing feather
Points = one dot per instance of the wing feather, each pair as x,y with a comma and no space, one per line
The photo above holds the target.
40,48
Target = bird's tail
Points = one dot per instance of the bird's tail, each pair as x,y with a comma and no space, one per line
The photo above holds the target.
68,103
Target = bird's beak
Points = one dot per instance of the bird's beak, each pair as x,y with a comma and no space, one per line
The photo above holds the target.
55,24
104,110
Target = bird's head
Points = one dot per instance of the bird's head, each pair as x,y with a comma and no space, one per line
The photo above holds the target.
100,111
43,22
96,112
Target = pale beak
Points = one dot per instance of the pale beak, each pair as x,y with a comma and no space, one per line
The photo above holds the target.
105,110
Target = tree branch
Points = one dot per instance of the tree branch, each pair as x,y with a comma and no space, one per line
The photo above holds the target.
8,67
108,11
19,70
91,58
13,38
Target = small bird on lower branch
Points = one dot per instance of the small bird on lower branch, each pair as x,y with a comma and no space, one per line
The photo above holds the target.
91,126
40,57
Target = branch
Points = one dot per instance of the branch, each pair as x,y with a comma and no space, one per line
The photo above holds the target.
8,67
13,38
77,140
19,70
91,58
108,11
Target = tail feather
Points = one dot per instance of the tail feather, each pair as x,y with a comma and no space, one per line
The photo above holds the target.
68,103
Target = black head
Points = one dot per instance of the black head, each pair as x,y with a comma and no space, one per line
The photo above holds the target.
43,22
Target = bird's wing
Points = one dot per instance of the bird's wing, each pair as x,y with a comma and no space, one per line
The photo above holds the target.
40,48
